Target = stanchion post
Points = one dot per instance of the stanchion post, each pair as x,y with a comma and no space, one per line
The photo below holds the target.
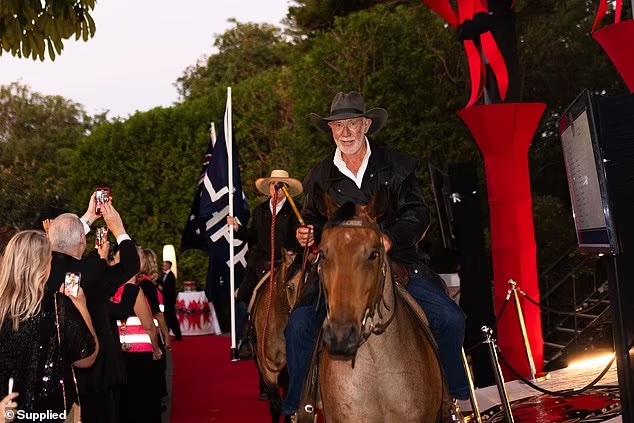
474,401
535,377
487,332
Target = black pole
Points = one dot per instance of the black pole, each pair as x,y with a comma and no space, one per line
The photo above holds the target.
487,332
476,289
616,139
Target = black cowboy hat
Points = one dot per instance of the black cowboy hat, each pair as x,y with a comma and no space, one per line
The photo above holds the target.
349,106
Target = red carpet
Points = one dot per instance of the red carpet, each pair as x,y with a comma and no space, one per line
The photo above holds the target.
208,386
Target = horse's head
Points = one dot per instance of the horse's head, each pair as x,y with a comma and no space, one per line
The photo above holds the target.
352,268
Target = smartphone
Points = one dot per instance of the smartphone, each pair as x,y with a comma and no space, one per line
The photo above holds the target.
101,236
71,283
102,196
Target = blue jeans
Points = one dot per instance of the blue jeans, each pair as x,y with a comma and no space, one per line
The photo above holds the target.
447,323
301,335
446,319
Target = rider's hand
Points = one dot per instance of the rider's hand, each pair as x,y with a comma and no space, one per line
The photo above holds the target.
304,235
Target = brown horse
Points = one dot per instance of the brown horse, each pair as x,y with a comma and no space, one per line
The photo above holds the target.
270,312
378,364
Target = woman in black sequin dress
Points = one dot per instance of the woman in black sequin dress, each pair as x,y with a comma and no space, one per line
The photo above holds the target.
29,349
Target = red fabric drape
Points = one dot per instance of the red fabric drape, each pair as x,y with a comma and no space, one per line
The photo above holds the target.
504,133
467,10
616,40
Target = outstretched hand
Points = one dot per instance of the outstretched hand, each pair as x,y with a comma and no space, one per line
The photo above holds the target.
113,219
90,211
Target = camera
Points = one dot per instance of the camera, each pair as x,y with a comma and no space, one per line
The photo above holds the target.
71,283
101,236
102,196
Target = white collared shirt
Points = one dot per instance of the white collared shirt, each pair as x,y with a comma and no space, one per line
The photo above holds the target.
341,165
279,205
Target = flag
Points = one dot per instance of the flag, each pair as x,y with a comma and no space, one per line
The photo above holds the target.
206,228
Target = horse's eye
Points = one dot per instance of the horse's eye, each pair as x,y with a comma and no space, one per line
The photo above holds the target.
373,255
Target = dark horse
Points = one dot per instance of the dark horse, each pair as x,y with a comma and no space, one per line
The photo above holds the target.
270,312
379,363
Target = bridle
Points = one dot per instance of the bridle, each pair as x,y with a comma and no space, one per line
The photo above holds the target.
368,324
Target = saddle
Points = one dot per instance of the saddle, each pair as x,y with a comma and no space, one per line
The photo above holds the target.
261,282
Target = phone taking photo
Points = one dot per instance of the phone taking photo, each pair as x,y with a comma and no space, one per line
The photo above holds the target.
102,196
71,283
101,236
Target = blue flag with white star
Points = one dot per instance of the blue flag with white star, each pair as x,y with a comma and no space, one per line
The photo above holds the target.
206,228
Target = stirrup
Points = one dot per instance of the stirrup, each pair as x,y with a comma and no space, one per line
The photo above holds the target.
246,349
456,414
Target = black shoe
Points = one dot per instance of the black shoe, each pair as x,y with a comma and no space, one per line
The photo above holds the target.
178,338
263,396
245,350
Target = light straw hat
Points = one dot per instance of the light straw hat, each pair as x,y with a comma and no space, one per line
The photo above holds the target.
293,185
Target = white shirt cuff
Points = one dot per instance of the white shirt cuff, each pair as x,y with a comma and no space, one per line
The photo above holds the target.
86,226
122,238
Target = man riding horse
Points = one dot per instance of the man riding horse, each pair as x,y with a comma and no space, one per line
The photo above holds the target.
259,238
355,172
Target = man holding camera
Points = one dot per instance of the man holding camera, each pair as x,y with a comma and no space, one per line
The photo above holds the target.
98,385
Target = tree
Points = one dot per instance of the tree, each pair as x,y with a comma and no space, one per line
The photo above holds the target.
37,136
151,162
30,27
310,16
244,50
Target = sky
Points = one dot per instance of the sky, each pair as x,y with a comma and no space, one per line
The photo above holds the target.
138,52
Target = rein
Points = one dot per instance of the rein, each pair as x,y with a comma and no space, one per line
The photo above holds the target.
374,307
272,291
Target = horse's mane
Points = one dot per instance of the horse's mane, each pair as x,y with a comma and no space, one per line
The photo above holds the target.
343,213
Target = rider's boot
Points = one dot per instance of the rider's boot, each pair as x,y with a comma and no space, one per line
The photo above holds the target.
246,349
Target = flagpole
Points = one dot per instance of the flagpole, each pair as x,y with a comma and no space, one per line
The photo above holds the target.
212,133
229,143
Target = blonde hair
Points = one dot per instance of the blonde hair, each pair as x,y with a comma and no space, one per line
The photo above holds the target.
23,275
151,264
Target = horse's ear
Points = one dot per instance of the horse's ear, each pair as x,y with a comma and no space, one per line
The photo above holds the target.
378,204
287,256
324,203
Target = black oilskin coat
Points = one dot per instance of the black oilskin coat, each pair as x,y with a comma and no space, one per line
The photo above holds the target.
406,219
258,235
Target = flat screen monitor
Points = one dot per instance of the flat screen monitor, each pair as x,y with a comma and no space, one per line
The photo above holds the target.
586,177
442,198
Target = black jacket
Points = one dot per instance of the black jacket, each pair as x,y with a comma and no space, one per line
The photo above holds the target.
99,282
258,235
407,217
168,285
